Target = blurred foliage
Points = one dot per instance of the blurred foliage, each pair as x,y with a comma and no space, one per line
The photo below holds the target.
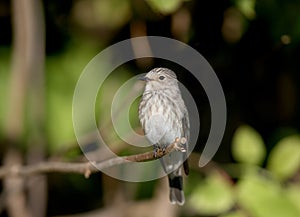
287,22
262,197
256,191
107,97
213,195
109,14
284,160
247,7
62,73
248,146
4,84
165,6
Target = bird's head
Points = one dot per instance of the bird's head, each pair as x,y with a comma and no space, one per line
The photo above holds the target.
160,78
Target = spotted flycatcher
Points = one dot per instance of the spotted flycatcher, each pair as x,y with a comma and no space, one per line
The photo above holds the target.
164,117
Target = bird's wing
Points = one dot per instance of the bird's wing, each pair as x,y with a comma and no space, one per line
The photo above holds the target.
186,134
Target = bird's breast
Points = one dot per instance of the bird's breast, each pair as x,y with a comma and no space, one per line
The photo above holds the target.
160,117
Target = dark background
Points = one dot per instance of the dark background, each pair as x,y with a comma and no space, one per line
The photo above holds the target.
253,46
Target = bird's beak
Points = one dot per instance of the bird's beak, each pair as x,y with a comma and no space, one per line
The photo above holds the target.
144,78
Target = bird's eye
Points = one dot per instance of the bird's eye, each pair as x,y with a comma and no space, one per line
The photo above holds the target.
161,77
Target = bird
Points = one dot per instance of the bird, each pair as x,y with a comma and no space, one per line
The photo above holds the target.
164,117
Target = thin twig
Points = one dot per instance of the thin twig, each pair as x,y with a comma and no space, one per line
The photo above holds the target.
88,168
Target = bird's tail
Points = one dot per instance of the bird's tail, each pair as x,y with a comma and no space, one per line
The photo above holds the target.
176,189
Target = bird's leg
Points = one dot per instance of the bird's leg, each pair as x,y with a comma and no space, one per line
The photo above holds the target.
158,150
180,144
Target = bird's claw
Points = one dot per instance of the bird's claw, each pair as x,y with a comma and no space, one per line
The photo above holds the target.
159,151
180,147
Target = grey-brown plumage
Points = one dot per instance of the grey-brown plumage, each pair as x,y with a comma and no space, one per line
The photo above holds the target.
164,117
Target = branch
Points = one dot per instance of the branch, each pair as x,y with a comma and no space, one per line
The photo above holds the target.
87,168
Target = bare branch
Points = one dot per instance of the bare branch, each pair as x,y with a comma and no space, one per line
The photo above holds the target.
88,168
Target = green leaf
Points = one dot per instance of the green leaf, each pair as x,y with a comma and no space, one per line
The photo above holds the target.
284,160
212,196
164,6
293,193
248,146
111,14
262,197
247,7
234,214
